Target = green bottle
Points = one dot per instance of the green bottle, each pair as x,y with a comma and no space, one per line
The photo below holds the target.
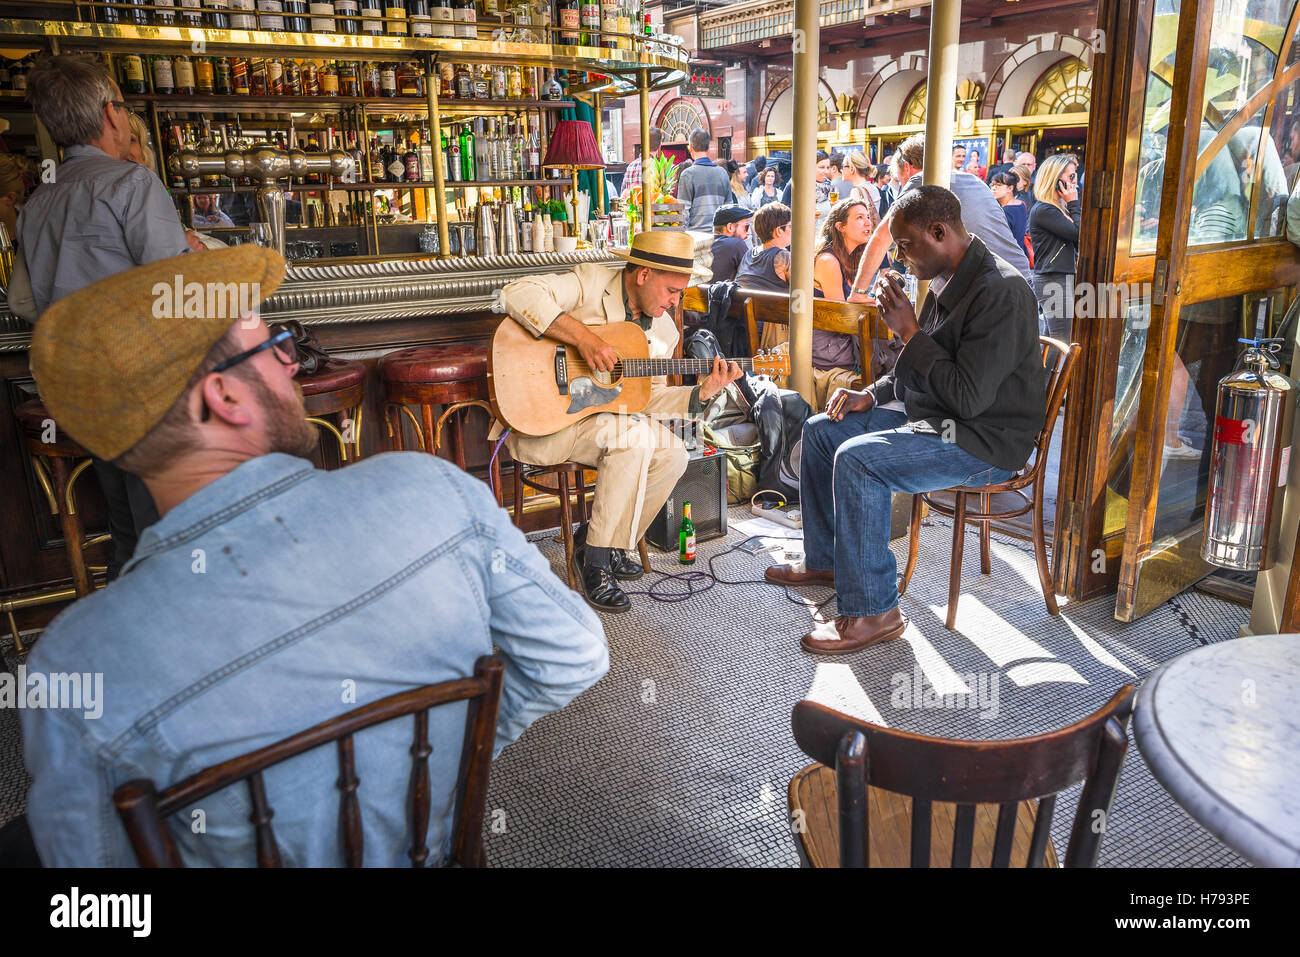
686,537
466,154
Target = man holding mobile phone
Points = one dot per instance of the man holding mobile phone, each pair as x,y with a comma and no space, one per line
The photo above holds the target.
970,380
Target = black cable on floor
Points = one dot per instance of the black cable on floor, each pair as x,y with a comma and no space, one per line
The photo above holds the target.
707,580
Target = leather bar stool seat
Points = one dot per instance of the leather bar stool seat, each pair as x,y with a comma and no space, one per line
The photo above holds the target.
337,388
451,375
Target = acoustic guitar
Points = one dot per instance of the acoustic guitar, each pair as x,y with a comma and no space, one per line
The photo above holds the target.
540,386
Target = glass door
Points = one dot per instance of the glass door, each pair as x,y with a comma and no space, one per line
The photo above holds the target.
1220,150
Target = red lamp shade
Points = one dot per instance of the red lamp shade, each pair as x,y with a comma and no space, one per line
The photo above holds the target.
573,146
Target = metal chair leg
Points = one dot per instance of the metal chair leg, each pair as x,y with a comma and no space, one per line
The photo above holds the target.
954,573
566,528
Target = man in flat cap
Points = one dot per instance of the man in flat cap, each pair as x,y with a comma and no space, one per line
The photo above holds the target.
730,240
270,596
639,460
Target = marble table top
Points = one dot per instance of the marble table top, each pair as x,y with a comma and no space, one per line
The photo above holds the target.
1220,729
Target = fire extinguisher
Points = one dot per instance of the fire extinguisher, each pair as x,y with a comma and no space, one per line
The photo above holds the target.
1253,422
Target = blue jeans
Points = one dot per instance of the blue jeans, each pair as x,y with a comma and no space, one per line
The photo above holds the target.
847,471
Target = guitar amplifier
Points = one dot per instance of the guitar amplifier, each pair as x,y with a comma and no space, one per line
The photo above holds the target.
704,485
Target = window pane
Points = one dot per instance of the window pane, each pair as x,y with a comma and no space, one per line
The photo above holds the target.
1155,125
1221,196
1244,45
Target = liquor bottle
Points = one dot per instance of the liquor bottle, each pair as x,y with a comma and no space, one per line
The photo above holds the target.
532,83
464,82
526,228
329,79
468,172
204,75
484,164
322,16
453,160
257,85
133,80
375,170
417,11
349,78
426,157
275,77
498,82
358,159
346,8
570,22
183,75
387,79
408,79
534,155
444,18
218,15
686,537
165,18
138,14
411,159
624,24
270,14
589,14
295,19
552,90
310,78
370,78
292,78
223,76
18,76
649,31
372,13
395,18
609,23
447,80
482,82
515,83
491,9
245,19
466,20
162,74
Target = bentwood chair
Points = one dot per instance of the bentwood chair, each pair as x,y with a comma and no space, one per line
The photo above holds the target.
880,797
1059,358
144,810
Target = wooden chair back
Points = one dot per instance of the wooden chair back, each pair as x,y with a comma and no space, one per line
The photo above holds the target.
1059,359
760,305
968,773
144,810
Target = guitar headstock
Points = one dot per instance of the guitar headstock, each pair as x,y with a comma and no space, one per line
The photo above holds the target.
772,363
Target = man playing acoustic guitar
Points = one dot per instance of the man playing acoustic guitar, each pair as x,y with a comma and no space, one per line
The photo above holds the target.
639,460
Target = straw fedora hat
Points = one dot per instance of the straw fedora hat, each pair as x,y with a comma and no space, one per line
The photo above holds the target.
666,249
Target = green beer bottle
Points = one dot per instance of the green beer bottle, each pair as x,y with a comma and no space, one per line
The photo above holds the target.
686,538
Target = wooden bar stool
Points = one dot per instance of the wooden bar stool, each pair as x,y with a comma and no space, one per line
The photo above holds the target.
453,376
336,389
569,478
58,462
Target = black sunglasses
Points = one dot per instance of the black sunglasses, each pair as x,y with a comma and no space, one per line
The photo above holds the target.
281,342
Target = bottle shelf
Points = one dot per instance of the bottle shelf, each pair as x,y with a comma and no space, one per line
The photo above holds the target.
372,186
227,103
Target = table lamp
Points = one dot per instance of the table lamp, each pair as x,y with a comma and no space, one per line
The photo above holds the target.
573,147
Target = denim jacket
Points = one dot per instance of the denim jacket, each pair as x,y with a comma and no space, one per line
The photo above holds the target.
277,597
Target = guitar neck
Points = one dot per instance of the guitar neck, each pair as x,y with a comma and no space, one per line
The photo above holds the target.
638,368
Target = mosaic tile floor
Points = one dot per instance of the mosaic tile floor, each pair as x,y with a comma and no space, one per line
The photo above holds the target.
681,755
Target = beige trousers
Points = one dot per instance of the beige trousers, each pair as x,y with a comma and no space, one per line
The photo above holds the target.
639,462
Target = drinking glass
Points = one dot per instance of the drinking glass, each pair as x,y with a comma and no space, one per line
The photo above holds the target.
260,233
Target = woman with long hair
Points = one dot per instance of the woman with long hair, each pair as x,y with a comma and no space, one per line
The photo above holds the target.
16,180
861,177
768,190
1054,231
736,172
843,239
1004,191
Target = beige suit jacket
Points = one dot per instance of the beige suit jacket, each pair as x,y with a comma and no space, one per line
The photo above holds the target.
593,294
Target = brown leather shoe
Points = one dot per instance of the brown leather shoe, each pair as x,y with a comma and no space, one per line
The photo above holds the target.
853,634
786,575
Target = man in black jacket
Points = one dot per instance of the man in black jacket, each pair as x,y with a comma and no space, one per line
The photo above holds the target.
963,406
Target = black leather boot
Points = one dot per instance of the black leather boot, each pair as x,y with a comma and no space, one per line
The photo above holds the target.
620,565
599,586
